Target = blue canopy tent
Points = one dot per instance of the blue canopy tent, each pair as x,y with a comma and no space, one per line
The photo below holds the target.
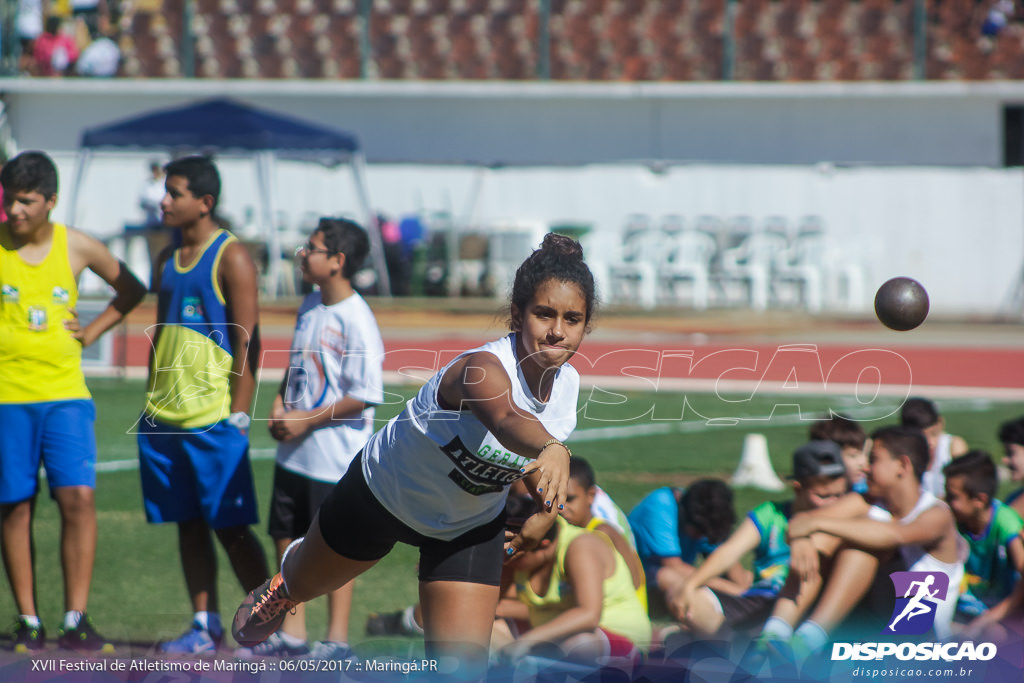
223,126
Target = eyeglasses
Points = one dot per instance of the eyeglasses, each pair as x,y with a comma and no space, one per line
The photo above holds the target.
308,248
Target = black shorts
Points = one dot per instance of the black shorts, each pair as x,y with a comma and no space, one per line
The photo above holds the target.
294,502
355,525
744,612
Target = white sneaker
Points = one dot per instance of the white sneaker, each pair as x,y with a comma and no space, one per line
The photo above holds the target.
330,650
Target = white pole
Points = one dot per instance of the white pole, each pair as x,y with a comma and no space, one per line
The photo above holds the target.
84,156
264,167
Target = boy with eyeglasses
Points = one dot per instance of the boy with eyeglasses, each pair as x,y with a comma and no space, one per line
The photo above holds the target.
322,415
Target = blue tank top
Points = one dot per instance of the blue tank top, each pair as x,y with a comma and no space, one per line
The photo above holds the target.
189,382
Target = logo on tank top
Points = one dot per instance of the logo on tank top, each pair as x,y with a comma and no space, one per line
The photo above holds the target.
37,320
61,295
478,475
918,595
192,310
9,294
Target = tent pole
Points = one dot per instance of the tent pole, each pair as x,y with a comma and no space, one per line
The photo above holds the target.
264,165
76,185
358,164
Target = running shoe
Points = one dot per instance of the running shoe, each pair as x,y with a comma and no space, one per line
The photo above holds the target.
262,612
195,641
83,638
325,650
273,646
28,638
386,624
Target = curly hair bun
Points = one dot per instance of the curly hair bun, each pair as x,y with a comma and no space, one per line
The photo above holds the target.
562,245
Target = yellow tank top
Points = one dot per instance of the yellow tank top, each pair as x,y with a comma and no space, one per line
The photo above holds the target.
641,590
39,359
190,380
621,611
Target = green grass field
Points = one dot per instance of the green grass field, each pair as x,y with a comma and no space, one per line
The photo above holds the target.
138,592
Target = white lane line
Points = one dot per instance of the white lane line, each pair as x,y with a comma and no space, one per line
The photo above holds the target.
659,428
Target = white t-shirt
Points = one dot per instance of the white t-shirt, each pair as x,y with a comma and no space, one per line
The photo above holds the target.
150,196
336,352
30,19
100,59
440,471
604,508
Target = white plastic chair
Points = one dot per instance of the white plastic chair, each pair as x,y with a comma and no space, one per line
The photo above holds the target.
753,263
634,276
689,260
802,265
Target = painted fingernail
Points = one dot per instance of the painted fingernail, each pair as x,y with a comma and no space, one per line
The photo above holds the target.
547,502
510,551
540,490
561,507
522,469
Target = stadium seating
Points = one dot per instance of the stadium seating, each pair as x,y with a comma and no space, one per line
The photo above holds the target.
601,40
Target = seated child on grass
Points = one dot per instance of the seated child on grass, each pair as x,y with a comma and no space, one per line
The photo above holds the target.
819,479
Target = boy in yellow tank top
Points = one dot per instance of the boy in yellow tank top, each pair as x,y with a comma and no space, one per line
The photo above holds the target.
46,413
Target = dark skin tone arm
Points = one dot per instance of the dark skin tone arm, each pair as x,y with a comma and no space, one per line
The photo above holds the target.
239,283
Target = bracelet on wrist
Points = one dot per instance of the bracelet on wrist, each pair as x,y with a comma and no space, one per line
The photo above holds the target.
555,442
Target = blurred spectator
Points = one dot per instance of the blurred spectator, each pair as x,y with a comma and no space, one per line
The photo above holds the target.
55,51
29,26
101,57
89,12
151,194
996,18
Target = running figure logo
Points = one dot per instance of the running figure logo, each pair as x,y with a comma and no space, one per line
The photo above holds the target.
917,597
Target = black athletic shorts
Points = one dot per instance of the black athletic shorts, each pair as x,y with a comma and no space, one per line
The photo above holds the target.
294,502
355,525
744,612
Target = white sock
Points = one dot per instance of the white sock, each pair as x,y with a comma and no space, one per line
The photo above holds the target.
208,621
72,619
813,635
409,620
284,556
32,621
293,641
777,629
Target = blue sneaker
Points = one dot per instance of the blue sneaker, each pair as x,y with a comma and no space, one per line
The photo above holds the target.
273,646
195,641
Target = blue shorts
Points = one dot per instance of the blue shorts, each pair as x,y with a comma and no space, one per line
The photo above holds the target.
59,434
192,473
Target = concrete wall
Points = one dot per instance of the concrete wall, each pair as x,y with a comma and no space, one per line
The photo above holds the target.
906,177
956,124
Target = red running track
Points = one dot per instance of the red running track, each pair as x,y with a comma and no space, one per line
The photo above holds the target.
811,366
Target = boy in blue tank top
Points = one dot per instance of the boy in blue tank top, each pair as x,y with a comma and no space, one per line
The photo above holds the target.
193,434
674,529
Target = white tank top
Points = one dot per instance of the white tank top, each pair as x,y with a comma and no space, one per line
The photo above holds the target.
441,471
934,481
917,559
